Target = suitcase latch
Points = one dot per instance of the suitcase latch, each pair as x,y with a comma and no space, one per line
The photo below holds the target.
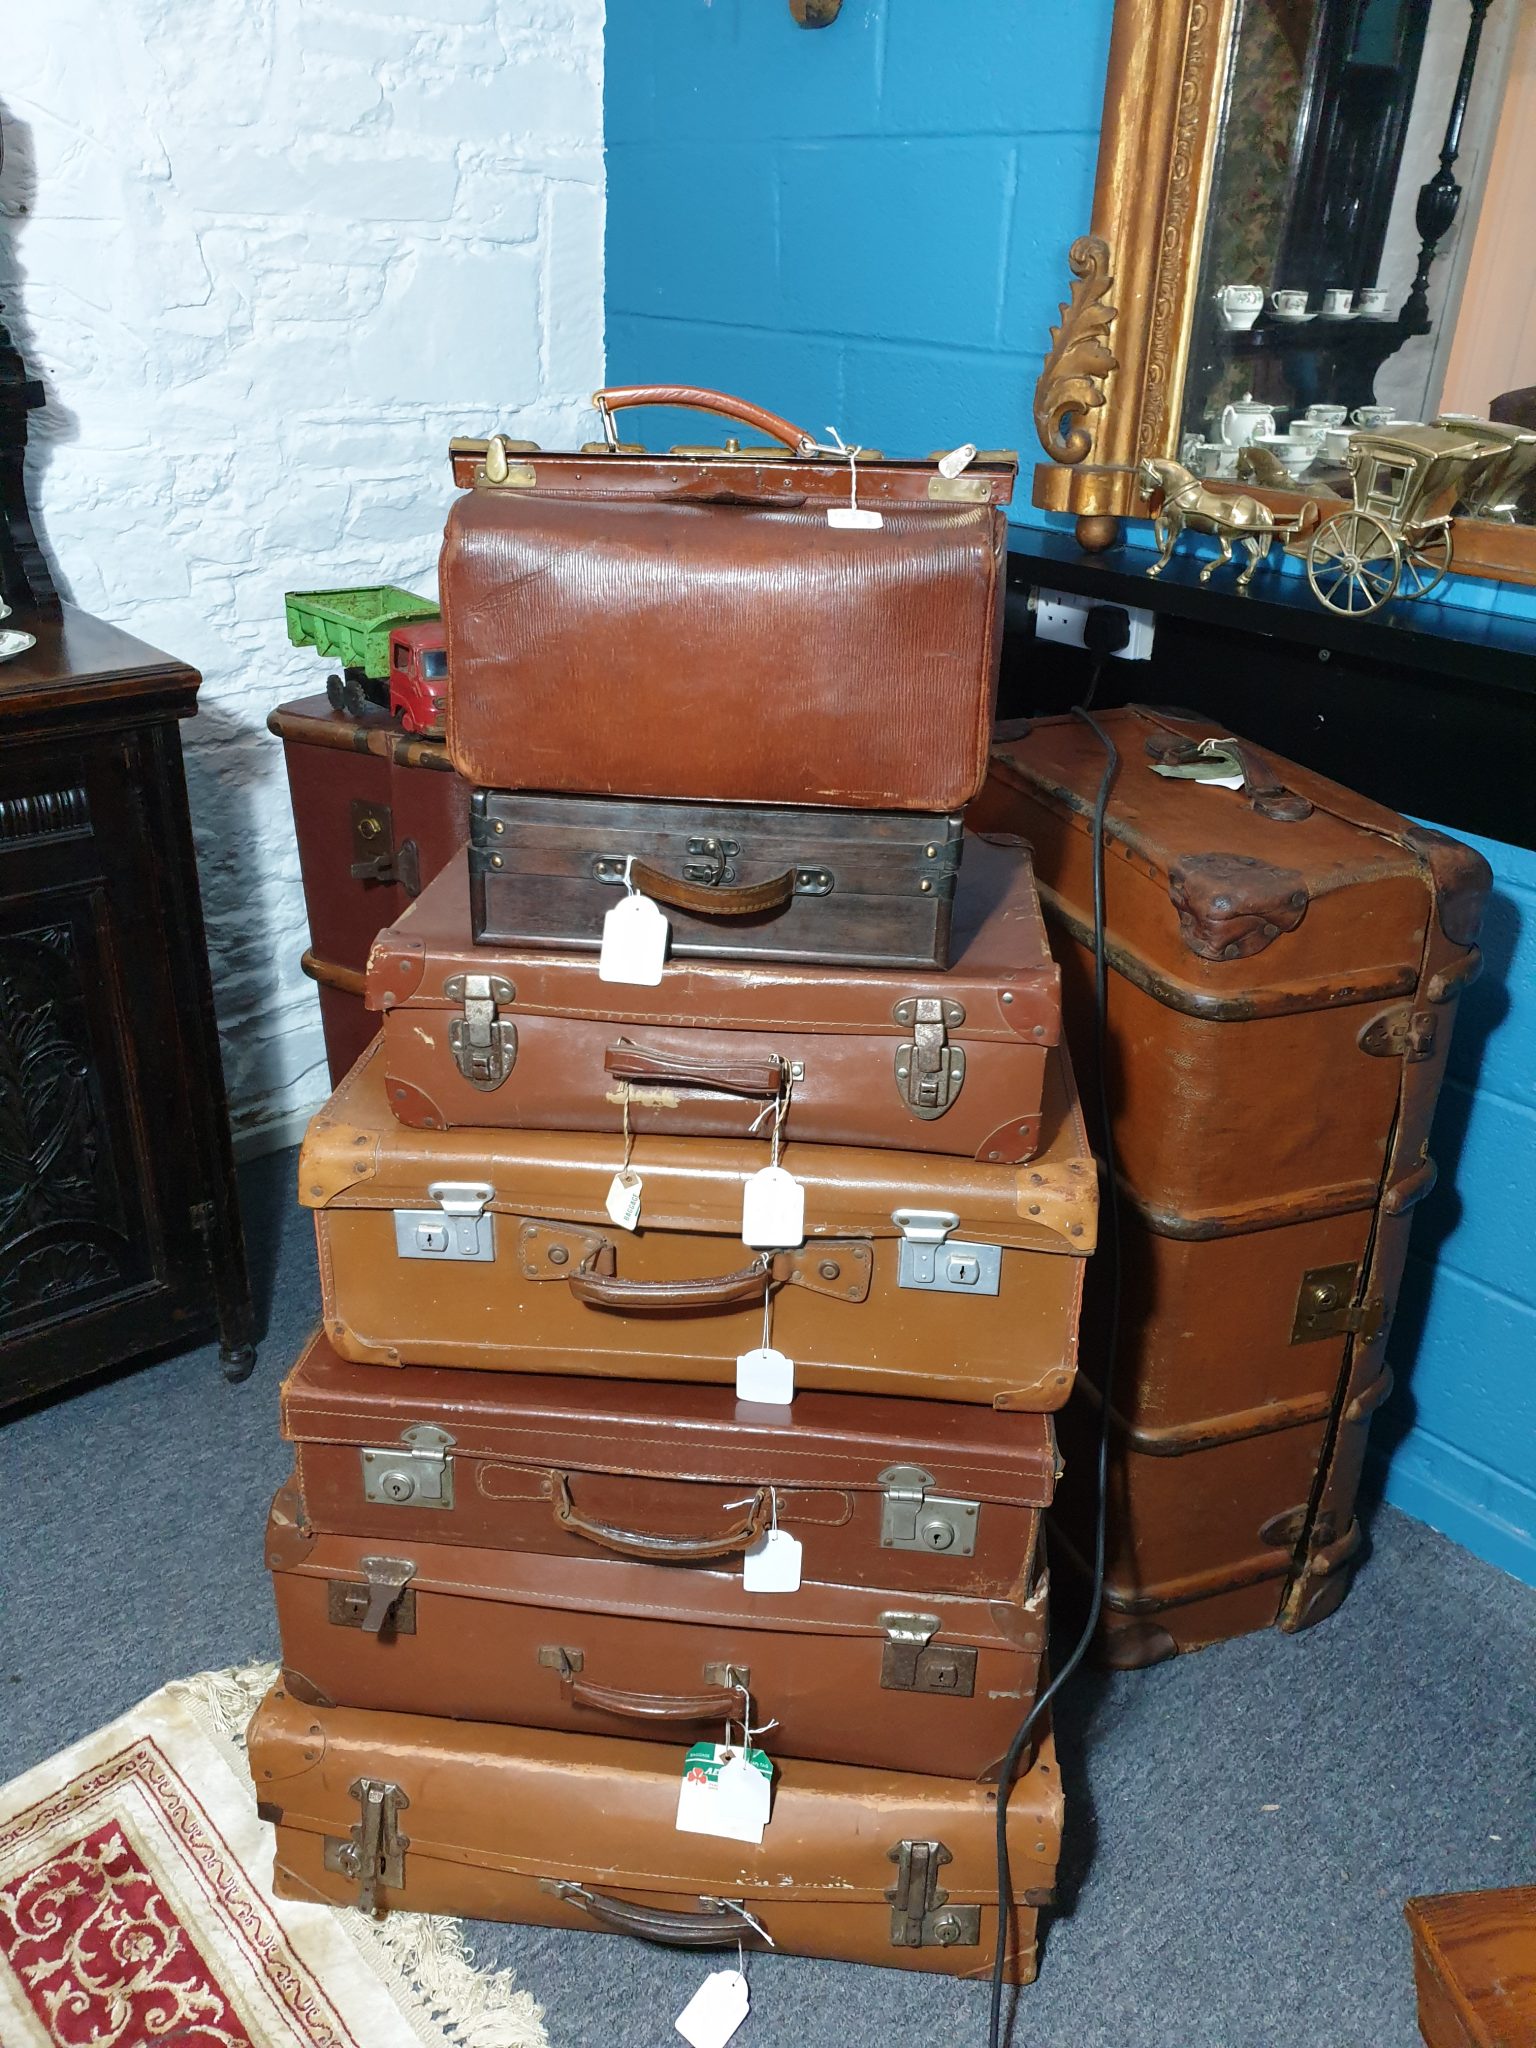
375,856
921,1915
374,1853
458,1228
484,1046
419,1475
912,1518
928,1261
1326,1307
1403,1033
913,1662
386,1597
930,1072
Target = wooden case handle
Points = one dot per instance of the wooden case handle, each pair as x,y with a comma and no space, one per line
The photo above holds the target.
704,899
720,1923
619,397
663,1549
595,1282
764,1077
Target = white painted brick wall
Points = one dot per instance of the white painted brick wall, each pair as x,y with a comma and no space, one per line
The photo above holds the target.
267,256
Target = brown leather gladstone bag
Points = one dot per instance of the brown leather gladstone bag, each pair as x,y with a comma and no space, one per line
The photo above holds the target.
724,623
561,1830
1286,960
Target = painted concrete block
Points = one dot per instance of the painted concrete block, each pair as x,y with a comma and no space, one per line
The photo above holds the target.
983,64
694,239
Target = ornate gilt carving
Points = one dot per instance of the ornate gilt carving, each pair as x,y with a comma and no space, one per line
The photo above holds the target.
1071,386
1167,340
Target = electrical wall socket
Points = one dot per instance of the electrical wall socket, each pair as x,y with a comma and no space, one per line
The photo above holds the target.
1059,616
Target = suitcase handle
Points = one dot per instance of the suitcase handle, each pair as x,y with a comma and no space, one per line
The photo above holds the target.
595,1282
694,398
764,1077
715,1703
704,899
721,1924
1265,792
665,1549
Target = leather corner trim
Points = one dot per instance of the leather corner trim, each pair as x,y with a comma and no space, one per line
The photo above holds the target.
412,1106
396,965
1231,906
1462,880
1012,1143
304,1690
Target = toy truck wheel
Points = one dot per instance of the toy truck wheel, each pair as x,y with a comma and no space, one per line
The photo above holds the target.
336,693
354,698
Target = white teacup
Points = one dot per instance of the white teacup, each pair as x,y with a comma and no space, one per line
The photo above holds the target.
1309,432
1289,305
1291,452
1373,415
1338,304
1336,441
1328,415
1371,304
1214,458
1241,305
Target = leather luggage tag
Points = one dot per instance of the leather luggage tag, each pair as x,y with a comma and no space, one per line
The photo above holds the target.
725,1791
634,946
715,2011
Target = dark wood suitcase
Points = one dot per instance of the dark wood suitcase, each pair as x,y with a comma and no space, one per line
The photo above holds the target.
1474,1967
377,813
711,624
736,882
948,1061
1286,959
945,1278
616,1646
929,1498
560,1830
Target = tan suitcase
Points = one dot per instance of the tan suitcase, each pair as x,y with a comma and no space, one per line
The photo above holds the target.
560,1830
943,1278
612,1646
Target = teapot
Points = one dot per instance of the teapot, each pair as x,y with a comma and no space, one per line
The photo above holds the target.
1246,419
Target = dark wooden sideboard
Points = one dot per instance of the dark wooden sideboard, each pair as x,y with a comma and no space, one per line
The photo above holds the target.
120,1231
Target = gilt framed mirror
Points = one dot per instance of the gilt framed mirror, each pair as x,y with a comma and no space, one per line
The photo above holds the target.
1310,217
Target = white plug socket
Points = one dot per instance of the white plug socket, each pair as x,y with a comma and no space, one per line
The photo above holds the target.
1061,617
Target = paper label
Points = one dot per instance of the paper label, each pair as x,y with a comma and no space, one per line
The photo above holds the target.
772,1565
957,459
765,1375
634,943
772,1210
623,1203
725,1791
715,2011
854,515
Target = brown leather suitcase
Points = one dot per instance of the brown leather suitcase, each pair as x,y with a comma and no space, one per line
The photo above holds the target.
944,1278
560,1830
614,1646
929,1498
949,1062
735,881
1286,960
709,624
377,814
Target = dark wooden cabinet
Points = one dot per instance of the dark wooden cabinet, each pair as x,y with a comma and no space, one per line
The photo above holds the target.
119,1226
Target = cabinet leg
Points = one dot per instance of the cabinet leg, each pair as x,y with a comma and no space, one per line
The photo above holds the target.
237,1362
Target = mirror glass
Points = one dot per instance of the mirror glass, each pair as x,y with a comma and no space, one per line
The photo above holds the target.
1362,261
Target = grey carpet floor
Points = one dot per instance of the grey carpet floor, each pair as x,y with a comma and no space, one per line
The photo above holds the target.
1243,1826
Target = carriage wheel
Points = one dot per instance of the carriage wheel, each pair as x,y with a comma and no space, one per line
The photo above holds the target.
1353,563
1426,559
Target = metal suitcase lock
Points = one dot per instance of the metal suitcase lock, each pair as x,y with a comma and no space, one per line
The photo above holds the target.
458,1228
914,1518
929,1261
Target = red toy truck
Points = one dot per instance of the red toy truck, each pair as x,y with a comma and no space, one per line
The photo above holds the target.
418,676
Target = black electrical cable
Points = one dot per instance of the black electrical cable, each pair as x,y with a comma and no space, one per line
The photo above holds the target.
1109,1250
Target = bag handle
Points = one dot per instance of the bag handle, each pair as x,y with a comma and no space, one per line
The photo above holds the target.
705,899
763,1077
1265,792
720,1924
661,1549
595,1282
695,398
715,1703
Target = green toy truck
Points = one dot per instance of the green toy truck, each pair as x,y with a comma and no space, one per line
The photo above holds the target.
357,628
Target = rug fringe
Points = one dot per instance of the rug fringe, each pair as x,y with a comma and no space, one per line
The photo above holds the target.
449,2000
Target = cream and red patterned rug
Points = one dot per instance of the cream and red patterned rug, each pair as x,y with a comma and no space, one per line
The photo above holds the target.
136,1909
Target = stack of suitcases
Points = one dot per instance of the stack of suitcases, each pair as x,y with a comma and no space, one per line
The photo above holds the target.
701,1243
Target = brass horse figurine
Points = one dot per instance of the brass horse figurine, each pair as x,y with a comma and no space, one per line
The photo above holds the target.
1187,503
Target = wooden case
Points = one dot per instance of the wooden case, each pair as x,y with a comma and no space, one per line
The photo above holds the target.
562,1830
1286,960
944,1278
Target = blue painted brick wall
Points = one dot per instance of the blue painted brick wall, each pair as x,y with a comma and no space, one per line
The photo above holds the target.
867,226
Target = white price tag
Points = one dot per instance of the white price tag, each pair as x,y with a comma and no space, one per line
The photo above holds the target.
715,2011
623,1203
725,1791
772,1210
853,515
634,943
772,1565
765,1375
